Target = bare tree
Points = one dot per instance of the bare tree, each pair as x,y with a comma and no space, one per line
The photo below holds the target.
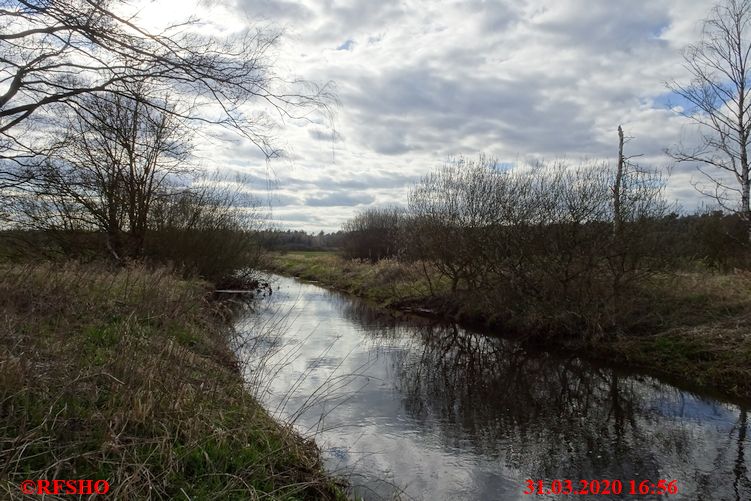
58,52
116,157
374,234
718,93
451,209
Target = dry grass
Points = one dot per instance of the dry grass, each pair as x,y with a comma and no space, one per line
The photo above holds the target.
699,331
126,375
386,282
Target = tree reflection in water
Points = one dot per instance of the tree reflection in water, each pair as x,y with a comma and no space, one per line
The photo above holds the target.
554,417
506,414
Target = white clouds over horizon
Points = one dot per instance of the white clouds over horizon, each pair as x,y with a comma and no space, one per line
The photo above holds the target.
419,81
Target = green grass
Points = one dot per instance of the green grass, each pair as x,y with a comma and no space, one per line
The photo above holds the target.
691,326
386,282
126,375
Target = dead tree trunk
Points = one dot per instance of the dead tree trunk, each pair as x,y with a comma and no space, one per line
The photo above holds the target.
617,188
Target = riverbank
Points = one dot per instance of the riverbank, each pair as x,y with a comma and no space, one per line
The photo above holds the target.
694,330
126,375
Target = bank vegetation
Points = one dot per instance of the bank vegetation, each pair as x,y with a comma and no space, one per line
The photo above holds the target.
126,374
584,257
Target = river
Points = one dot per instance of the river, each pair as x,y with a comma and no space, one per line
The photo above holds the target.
401,404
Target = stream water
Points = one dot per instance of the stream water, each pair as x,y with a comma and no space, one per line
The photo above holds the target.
433,411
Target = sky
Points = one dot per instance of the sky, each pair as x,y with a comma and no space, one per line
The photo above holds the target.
418,82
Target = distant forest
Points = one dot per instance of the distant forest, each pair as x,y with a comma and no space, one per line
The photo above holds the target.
298,240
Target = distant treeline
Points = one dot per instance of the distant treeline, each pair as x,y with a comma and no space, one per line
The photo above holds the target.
298,240
711,238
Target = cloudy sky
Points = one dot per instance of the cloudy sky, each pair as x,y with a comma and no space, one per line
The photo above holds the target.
419,81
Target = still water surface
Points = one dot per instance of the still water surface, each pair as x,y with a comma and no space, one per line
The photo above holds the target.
439,412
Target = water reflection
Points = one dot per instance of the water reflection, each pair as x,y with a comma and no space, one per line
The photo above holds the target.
446,414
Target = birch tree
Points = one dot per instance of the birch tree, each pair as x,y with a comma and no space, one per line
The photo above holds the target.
718,94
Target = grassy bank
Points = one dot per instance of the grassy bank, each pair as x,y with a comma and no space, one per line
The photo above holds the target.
126,375
693,326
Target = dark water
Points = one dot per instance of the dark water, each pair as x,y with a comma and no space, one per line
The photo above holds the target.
442,413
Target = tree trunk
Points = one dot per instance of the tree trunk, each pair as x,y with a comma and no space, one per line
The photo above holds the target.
745,199
743,136
617,210
114,245
745,208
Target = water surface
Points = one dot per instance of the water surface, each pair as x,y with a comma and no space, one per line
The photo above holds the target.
439,412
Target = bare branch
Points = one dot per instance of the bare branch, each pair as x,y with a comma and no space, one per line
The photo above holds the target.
719,93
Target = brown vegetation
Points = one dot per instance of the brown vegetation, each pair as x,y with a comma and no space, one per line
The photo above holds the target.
125,375
537,248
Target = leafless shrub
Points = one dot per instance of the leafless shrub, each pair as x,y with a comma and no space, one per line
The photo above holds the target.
210,229
538,243
373,234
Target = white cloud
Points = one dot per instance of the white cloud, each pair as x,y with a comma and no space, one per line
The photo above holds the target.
421,80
